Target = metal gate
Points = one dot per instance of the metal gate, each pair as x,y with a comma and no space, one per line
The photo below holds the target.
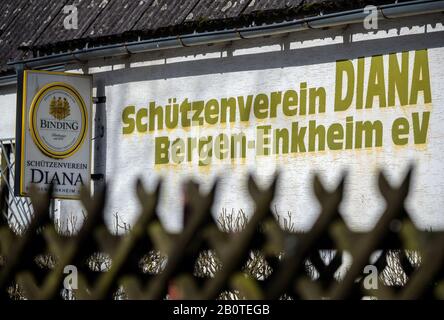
18,210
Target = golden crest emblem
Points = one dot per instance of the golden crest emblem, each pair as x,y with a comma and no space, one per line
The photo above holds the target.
59,108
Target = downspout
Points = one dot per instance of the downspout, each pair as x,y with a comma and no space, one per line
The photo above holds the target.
390,11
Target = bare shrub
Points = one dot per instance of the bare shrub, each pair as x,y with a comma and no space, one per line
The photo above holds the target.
397,261
153,262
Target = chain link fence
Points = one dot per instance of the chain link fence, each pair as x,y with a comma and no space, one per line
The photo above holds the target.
234,257
19,210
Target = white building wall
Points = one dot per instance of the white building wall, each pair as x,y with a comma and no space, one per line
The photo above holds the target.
264,65
7,113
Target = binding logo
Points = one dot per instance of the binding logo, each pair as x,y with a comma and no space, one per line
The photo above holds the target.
59,108
57,120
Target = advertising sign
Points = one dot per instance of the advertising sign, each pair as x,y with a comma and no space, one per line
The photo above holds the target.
357,115
55,123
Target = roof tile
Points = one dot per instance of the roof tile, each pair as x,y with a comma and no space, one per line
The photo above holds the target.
118,17
87,12
218,9
165,13
261,5
33,19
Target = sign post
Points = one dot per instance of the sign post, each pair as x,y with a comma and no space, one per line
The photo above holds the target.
54,130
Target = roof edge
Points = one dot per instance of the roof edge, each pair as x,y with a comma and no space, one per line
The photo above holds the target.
389,11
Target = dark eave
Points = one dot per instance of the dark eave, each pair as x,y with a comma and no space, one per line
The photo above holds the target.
32,28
